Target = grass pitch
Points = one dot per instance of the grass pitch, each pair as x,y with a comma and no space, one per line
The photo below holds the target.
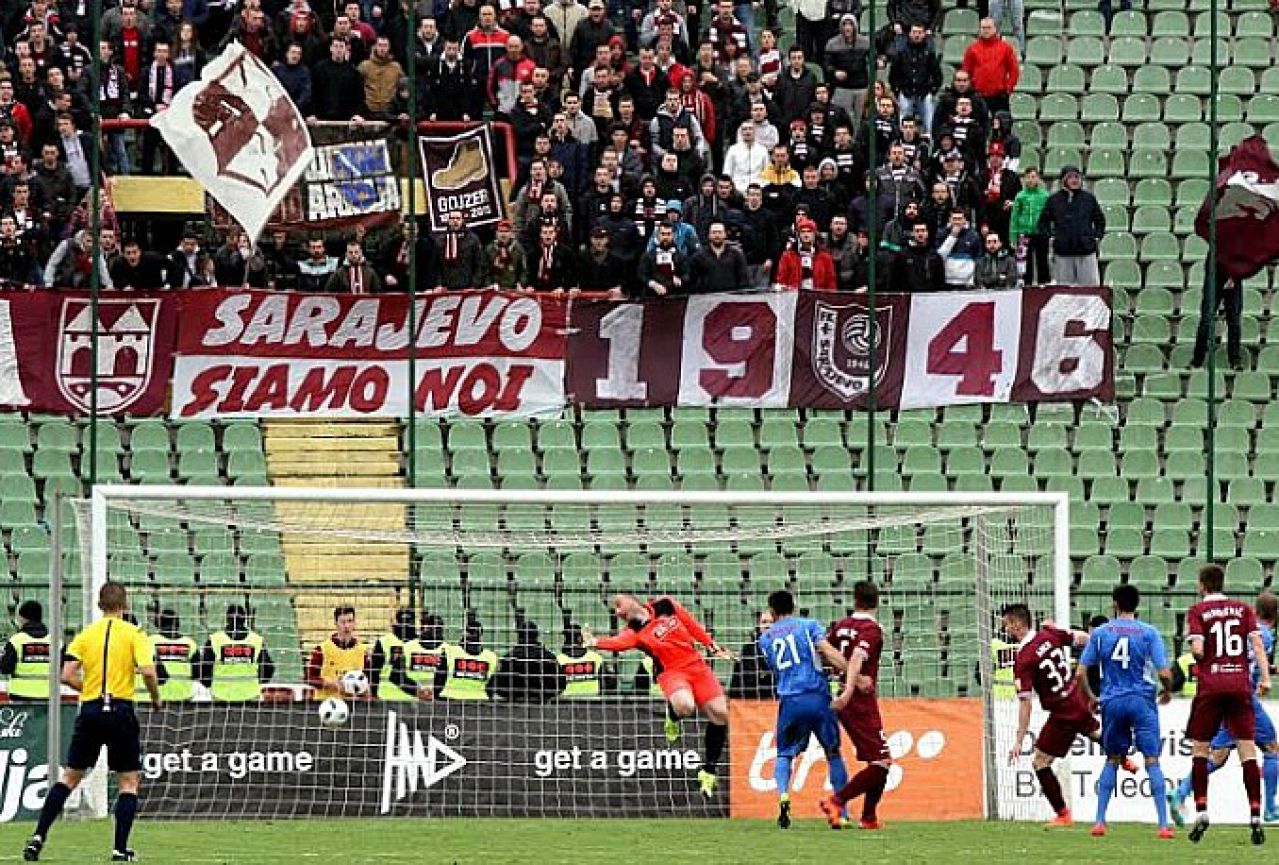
608,842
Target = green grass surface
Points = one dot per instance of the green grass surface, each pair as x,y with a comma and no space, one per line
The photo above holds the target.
584,842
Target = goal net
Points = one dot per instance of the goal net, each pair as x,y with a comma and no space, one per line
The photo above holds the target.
457,592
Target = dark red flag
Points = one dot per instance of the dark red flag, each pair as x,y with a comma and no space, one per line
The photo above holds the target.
1247,196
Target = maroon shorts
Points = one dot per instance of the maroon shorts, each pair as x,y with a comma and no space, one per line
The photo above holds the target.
1061,728
865,729
1209,711
701,681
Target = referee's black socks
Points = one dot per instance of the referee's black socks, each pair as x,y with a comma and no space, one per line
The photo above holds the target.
126,808
716,738
53,804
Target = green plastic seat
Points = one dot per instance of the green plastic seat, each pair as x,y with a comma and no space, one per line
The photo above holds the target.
822,431
1066,133
1140,108
1259,25
1044,51
1192,135
1253,52
1058,106
1128,51
1263,109
1086,51
1170,51
1105,163
1191,191
1174,24
1057,158
1165,276
195,435
1160,246
1111,191
1109,134
1099,107
556,435
1151,329
1240,81
1183,108
1128,23
599,435
1118,245
1108,79
1152,136
1066,78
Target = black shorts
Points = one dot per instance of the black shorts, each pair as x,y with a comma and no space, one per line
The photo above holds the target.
116,729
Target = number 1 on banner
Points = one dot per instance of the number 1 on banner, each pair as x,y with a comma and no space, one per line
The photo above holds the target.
622,328
965,347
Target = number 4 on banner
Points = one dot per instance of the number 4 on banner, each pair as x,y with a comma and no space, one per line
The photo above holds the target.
965,347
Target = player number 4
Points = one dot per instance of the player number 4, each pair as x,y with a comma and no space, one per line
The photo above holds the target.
1120,654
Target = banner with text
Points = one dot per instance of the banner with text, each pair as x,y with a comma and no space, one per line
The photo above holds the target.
46,352
347,182
262,354
24,749
416,760
461,175
820,350
937,761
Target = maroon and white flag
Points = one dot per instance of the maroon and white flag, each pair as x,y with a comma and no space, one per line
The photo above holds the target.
239,134
1247,197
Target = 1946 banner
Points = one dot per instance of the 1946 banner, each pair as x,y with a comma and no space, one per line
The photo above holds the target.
820,350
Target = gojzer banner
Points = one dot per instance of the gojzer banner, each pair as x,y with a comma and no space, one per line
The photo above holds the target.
461,175
817,350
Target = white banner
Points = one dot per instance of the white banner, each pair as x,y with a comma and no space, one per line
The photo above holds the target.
1131,803
737,350
239,134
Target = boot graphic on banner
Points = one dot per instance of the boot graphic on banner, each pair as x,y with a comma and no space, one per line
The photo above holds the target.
466,166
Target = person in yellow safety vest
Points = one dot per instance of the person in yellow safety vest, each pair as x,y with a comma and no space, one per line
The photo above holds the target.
26,655
390,680
1002,656
340,652
586,674
1185,677
175,655
529,672
424,658
468,667
235,662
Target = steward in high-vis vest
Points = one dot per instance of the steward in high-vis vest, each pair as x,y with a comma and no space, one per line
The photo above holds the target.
235,662
175,656
1185,678
529,672
390,680
584,669
468,667
340,652
26,655
424,658
1002,656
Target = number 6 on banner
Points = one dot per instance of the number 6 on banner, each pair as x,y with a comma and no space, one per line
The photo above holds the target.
1067,357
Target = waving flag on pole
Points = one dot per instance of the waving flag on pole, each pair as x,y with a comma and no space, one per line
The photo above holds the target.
239,134
1247,202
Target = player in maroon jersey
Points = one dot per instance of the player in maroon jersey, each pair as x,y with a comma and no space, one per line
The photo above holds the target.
1043,667
669,634
861,641
1220,632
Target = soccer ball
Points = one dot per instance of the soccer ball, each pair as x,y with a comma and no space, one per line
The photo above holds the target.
354,683
334,712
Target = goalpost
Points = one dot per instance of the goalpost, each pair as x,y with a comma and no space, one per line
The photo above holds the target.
489,567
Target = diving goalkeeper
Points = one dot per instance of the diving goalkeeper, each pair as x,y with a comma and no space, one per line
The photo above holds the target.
669,635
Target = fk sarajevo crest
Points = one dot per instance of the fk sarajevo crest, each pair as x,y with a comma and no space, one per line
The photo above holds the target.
240,135
126,351
842,348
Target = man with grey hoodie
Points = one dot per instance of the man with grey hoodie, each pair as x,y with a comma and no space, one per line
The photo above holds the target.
846,69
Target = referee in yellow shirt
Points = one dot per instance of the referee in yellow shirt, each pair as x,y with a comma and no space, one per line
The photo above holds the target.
102,663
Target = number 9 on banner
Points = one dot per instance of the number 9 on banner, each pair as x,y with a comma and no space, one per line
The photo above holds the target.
737,350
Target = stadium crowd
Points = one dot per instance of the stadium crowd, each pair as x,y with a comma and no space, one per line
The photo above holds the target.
662,147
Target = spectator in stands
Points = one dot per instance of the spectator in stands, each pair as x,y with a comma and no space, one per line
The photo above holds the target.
70,264
796,86
1025,236
588,34
999,189
504,267
452,85
237,263
188,56
124,27
341,652
381,74
529,672
663,268
915,76
997,268
718,265
898,183
846,54
752,679
18,114
917,268
342,96
315,269
600,270
295,77
484,43
552,264
806,265
810,28
113,101
745,159
461,258
18,266
354,275
156,90
959,248
76,148
507,74
394,258
961,85
1228,298
250,30
1016,10
137,270
186,263
1075,222
992,63
904,13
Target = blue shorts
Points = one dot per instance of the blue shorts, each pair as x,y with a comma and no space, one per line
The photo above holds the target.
803,716
1130,720
1264,736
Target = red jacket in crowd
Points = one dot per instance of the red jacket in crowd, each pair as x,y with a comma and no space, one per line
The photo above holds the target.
790,270
992,63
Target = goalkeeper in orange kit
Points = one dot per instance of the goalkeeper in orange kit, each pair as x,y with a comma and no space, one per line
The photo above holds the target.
669,634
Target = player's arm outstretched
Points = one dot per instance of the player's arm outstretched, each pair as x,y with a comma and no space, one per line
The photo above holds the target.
699,633
625,641
1023,725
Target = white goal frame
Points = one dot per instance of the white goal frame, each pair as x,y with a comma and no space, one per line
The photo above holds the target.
1059,502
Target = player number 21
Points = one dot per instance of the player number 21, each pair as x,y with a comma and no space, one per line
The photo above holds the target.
782,648
1229,640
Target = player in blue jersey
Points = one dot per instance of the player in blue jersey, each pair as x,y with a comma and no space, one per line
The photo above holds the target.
1267,608
792,647
1134,674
